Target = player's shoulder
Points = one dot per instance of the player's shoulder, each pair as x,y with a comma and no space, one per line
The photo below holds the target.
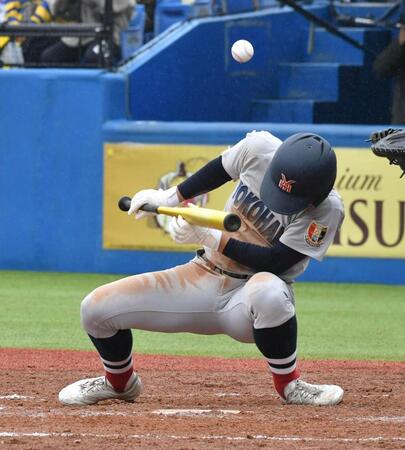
333,203
335,200
262,142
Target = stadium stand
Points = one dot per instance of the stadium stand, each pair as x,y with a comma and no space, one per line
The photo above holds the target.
134,36
307,75
343,72
238,6
168,12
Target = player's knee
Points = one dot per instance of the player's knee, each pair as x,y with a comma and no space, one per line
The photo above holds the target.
91,312
270,300
87,313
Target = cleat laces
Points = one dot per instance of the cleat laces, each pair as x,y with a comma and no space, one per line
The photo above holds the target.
304,391
94,385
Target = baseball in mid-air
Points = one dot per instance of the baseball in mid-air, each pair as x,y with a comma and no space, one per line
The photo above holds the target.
242,51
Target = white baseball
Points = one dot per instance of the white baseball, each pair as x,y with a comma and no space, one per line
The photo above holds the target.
242,51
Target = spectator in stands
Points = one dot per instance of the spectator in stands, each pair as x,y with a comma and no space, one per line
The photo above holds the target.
72,49
391,63
27,11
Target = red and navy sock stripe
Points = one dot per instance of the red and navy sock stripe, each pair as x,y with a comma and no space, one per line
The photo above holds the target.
116,355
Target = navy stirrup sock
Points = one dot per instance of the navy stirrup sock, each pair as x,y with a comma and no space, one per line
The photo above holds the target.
116,354
279,347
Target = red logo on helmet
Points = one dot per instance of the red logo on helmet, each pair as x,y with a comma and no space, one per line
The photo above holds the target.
284,184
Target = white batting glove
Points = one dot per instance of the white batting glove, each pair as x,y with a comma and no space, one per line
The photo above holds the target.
154,197
184,233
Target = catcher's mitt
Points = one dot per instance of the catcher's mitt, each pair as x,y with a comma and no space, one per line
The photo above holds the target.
390,143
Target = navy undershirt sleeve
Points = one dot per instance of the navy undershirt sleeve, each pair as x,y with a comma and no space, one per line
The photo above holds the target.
276,259
208,178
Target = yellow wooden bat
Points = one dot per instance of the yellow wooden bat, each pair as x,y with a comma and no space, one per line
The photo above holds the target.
203,217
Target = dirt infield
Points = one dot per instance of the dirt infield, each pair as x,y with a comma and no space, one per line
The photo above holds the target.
198,403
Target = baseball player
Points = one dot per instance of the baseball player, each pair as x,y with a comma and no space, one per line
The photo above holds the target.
238,284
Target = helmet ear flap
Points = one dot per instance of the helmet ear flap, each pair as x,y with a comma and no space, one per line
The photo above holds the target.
319,200
323,196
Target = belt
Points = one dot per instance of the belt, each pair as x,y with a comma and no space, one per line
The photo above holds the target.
212,266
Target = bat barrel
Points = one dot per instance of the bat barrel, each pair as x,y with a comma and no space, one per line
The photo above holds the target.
197,216
232,222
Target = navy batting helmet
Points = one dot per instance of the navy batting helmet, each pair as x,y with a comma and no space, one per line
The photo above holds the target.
302,173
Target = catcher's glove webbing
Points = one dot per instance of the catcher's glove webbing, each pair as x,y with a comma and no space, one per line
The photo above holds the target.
390,143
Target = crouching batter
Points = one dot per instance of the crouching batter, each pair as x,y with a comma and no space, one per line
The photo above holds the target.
238,284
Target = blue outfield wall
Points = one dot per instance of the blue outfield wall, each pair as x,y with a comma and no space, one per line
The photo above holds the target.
52,128
50,166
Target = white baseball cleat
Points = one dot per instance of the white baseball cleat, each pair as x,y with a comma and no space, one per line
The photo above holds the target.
299,392
93,390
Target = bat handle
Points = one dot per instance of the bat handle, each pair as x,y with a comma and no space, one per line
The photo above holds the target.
125,203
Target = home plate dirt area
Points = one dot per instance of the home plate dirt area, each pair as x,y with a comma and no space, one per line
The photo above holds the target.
198,403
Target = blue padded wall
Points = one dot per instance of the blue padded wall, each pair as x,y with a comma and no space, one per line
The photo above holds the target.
189,74
51,167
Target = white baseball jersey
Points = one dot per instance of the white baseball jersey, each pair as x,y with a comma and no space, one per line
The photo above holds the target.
309,232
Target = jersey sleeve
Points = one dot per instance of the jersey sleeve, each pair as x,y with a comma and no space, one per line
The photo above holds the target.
243,156
312,233
233,158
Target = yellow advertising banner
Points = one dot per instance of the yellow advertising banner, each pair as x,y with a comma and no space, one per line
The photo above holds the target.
374,198
129,168
373,194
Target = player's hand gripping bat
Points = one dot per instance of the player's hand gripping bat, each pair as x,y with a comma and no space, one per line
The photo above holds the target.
203,217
